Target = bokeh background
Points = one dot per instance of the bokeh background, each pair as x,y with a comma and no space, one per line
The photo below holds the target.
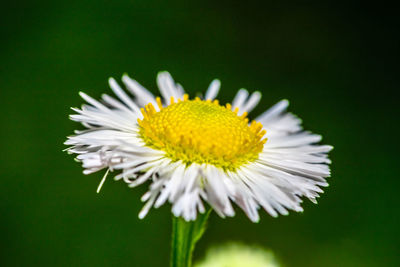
334,61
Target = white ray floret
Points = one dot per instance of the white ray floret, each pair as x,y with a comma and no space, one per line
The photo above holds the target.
213,90
290,165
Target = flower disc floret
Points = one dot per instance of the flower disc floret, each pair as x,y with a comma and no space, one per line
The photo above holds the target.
202,131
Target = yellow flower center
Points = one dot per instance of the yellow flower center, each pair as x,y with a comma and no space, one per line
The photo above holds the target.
197,131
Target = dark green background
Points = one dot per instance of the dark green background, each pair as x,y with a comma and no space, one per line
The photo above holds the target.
335,63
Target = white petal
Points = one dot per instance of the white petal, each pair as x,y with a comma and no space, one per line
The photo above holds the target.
213,90
272,112
168,87
251,103
123,96
239,99
143,96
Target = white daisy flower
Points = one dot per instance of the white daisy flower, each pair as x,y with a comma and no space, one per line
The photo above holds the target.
195,150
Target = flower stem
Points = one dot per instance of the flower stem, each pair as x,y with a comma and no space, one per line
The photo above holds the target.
184,237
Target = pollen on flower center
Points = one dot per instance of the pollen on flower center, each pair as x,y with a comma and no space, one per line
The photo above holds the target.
198,131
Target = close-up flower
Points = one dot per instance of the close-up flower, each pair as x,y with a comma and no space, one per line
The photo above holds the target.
165,157
195,150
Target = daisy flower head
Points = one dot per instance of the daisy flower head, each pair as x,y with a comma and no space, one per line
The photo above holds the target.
193,151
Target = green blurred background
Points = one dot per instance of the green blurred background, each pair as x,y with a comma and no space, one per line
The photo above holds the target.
334,61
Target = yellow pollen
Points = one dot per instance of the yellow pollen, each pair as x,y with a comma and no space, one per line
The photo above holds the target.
202,131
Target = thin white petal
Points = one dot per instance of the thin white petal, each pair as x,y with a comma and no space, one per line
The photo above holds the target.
239,99
167,87
123,96
213,89
276,109
251,103
143,96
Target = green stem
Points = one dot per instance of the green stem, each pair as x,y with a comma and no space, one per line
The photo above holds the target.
184,237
